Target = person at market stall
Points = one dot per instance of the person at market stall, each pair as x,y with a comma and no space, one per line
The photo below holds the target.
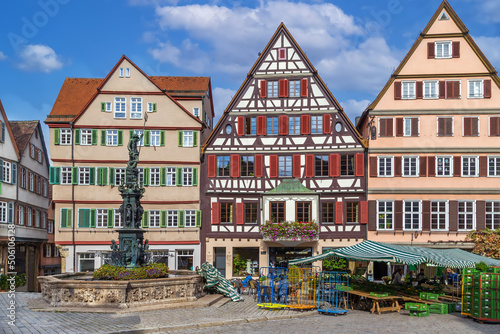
245,281
397,277
452,276
421,277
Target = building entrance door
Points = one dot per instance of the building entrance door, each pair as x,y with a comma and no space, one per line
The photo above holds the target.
220,260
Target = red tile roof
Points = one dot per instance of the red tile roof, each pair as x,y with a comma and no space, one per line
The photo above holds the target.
23,130
182,86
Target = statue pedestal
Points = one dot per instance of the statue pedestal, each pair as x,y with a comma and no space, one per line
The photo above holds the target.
131,242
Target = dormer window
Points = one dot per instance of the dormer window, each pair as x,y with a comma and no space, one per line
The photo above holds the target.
443,17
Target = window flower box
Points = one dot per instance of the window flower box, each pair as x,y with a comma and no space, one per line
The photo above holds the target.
290,231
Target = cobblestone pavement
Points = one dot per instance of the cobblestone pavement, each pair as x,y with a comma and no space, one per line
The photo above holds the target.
241,317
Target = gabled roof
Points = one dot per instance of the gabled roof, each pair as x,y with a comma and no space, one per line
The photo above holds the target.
9,130
23,130
179,86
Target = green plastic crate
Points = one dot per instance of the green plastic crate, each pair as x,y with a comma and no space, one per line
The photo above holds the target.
379,294
416,307
469,271
452,307
344,288
419,313
438,308
429,296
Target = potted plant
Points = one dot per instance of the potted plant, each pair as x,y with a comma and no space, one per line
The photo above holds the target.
239,265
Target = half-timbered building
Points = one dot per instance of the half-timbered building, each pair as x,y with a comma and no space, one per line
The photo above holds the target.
283,151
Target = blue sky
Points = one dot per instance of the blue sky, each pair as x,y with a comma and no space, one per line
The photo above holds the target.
355,45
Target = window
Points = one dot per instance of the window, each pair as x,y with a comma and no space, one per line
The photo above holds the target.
120,72
316,124
466,215
226,212
411,127
475,89
83,175
151,107
39,156
272,125
172,218
65,137
108,107
56,251
127,72
117,222
251,213
20,218
494,166
44,219
30,217
385,215
86,137
32,151
294,125
22,182
102,217
111,137
171,171
347,164
470,126
294,88
445,126
32,182
154,176
7,167
272,89
303,211
453,88
411,215
247,165
185,259
140,133
120,108
282,53
285,165
385,166
443,49
439,215
187,176
352,212
328,212
277,211
494,126
86,261
493,215
119,176
45,188
223,166
386,126
469,166
48,250
3,212
408,90
36,213
135,108
444,166
187,138
196,112
154,218
140,177
322,165
155,137
431,89
50,227
39,186
410,166
190,218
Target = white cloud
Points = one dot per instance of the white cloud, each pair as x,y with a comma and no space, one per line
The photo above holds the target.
2,56
39,58
489,10
221,98
489,46
354,108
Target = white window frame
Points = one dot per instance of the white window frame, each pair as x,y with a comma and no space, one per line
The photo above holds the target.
23,172
450,165
86,137
85,257
136,108
452,125
4,213
473,213
117,219
50,227
141,135
172,218
431,86
294,88
154,218
32,151
171,176
407,122
119,175
108,106
496,165
154,176
417,165
149,107
489,126
187,138
446,214
385,214
120,107
39,157
37,218
408,90
29,211
45,188
121,72
476,165
155,138
391,158
189,218
83,176
478,125
48,250
494,215
32,182
20,217
39,187
140,176
44,219
294,125
187,176
419,213
127,72
66,174
316,124
101,218
7,172
111,137
442,55
478,91
196,112
65,136
272,89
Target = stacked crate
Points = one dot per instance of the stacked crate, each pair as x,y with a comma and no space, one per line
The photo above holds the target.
481,294
417,309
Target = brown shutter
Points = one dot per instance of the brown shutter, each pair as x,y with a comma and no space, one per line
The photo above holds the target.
360,164
483,166
296,165
235,165
442,89
211,166
373,167
327,123
426,215
453,223
441,126
240,213
399,126
430,50
397,166
467,126
261,125
383,127
420,90
241,125
334,165
215,213
431,163
263,88
456,49
303,87
389,127
449,89
309,165
423,166
363,216
397,90
487,89
283,88
457,166
372,215
273,166
414,127
283,125
480,215
494,126
305,127
258,165
398,215
339,213
475,126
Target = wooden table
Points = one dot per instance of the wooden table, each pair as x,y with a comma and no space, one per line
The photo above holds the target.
375,302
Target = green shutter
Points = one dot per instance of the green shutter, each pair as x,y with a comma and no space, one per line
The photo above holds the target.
103,137
69,217
92,175
147,138
120,137
64,217
83,217
145,219
178,177
181,136
74,175
94,137
93,218
54,174
103,106
163,176
162,138
112,176
195,176
104,179
180,218
77,137
98,178
56,136
145,177
130,133
195,138
57,175
198,218
154,107
111,218
163,218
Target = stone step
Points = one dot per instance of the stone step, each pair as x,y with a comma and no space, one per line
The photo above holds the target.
221,302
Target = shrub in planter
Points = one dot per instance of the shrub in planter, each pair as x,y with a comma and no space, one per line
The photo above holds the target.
109,272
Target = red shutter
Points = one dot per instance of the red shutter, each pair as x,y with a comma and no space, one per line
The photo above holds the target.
363,217
487,89
431,163
426,215
309,165
389,130
261,125
456,89
241,125
339,213
480,215
373,167
442,89
273,166
296,165
327,123
305,128
240,214
430,50
467,126
414,127
399,126
283,88
494,126
283,125
334,165
423,166
258,165
372,218
397,90
398,215
263,88
397,166
211,166
457,166
420,90
360,164
303,87
483,165
235,165
456,49
449,89
215,213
